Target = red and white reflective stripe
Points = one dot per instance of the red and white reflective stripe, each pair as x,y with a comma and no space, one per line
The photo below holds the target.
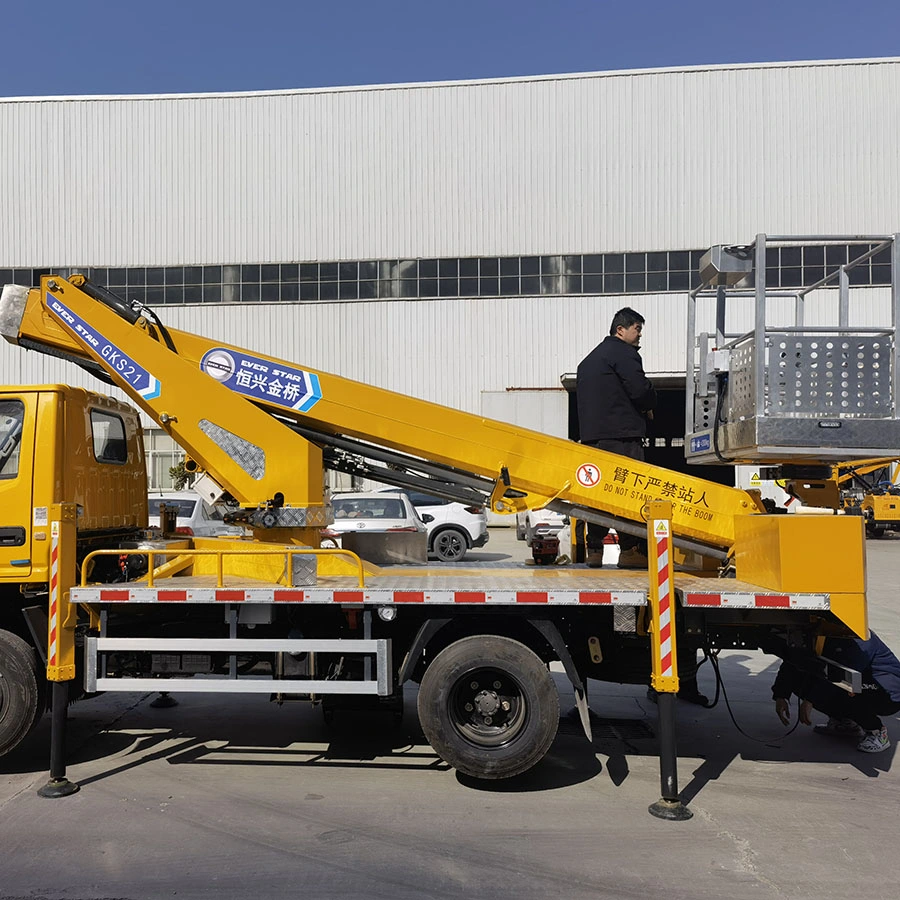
54,593
355,595
758,601
665,600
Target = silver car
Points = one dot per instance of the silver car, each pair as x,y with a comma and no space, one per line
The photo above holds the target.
373,511
195,516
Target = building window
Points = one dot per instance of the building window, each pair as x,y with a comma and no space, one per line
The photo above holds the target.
162,454
654,271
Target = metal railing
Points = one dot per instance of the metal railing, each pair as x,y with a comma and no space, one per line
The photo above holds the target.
288,553
756,392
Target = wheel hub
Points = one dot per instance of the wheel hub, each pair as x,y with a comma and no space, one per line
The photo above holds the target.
489,708
487,702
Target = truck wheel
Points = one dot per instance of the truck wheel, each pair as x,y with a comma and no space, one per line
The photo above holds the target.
21,694
450,545
489,707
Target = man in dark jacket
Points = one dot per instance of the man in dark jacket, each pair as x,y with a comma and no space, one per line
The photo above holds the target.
614,399
851,715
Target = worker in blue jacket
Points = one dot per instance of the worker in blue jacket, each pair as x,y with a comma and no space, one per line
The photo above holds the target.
851,715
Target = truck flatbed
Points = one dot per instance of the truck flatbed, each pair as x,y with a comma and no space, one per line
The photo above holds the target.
508,586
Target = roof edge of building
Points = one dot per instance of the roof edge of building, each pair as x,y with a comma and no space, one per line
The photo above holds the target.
472,82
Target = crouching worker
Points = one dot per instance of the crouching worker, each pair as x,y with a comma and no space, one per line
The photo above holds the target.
850,715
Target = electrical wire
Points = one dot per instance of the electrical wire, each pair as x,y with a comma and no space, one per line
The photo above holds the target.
713,657
719,418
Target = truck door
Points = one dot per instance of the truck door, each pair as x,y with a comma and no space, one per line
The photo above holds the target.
17,425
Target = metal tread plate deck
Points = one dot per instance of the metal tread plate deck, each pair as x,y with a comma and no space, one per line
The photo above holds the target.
697,591
554,587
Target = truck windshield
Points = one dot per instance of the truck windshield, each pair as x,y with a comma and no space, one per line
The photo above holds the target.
12,417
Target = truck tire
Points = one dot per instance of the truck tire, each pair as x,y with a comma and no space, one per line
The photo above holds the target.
21,690
489,707
449,545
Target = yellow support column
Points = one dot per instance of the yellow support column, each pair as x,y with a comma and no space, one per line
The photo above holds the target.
61,641
664,676
63,615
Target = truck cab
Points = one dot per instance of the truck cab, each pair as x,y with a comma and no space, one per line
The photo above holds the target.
58,442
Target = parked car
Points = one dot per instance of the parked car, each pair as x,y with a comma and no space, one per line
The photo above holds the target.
564,533
195,515
538,523
371,511
454,529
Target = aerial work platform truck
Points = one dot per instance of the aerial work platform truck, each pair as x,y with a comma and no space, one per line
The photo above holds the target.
103,605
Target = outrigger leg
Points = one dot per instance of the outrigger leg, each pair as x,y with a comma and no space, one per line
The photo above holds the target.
58,785
664,678
60,643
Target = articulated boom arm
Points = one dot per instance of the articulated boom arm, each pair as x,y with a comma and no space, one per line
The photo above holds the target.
847,472
198,390
251,454
818,490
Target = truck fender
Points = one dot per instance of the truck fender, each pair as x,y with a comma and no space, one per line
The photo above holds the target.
426,632
551,634
544,627
38,624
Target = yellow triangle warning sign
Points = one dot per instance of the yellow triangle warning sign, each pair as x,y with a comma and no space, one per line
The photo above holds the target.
755,479
661,528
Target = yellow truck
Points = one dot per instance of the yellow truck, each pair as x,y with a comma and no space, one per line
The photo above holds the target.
55,442
872,490
107,607
865,488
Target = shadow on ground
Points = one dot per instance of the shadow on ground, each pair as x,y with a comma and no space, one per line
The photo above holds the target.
200,730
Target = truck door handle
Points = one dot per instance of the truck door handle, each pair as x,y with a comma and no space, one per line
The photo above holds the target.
12,537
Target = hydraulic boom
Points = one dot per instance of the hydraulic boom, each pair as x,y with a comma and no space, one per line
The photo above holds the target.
198,389
235,412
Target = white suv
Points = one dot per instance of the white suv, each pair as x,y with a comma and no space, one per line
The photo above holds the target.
454,528
539,523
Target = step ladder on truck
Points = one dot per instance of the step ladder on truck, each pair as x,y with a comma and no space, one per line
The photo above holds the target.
276,614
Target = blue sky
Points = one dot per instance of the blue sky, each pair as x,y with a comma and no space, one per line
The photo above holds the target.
164,46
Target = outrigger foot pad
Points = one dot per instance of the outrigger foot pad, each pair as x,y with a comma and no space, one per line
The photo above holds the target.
164,701
58,787
673,810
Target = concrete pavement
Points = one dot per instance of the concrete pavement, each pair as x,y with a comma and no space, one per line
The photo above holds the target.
228,797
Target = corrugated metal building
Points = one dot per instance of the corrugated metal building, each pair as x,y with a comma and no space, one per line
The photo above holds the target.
445,240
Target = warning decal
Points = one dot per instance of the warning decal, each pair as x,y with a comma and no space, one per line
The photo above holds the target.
588,475
661,528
